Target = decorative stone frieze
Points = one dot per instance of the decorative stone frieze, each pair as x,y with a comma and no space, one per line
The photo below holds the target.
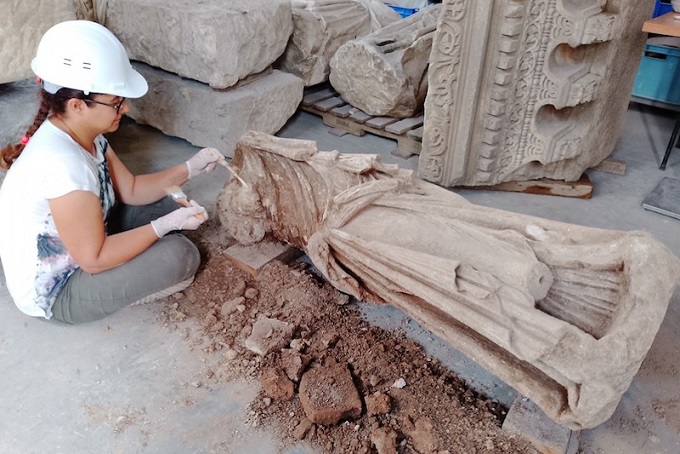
528,89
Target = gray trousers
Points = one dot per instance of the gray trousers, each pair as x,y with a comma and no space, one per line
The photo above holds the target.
169,261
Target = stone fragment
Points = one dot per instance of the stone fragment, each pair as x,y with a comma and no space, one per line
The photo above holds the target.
215,118
399,383
230,306
22,24
329,339
528,421
276,385
422,433
563,313
293,363
302,429
385,73
328,394
528,90
269,335
385,440
218,42
239,287
298,345
253,258
378,404
321,26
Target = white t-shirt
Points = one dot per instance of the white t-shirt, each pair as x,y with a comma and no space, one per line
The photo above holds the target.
34,259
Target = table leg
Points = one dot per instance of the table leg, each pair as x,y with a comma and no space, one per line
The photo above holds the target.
671,144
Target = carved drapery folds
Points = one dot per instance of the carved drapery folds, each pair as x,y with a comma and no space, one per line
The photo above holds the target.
565,314
527,89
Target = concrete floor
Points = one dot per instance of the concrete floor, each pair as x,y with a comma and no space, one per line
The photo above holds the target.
127,384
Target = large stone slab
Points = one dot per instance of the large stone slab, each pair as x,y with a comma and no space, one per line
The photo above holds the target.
215,118
321,26
22,24
217,42
19,103
563,313
527,89
385,73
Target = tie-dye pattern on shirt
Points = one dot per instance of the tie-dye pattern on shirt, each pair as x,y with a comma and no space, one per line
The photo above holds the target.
55,265
107,195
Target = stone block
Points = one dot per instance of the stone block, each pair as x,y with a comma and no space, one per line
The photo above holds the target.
321,26
215,118
269,335
548,437
19,103
254,257
385,73
328,395
217,42
21,28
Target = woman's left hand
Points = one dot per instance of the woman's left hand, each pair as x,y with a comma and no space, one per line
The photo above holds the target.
203,161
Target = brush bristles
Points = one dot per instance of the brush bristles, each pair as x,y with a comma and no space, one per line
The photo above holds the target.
175,192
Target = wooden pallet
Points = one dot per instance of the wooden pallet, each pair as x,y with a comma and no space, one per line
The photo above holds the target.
344,118
581,189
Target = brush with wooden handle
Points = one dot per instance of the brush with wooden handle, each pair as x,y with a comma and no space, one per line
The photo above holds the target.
223,161
176,193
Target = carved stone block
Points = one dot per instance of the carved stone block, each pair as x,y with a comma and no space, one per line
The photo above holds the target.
385,73
217,42
22,24
563,313
321,26
528,89
215,118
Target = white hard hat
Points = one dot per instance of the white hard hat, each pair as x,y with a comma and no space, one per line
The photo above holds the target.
86,56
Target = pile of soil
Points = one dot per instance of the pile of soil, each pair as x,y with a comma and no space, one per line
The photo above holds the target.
409,402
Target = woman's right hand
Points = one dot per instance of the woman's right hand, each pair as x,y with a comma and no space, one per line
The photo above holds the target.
184,218
203,161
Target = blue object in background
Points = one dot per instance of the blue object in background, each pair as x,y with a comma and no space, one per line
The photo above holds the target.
662,7
658,71
405,12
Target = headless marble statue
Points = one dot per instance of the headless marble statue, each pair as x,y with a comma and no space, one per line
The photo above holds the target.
565,314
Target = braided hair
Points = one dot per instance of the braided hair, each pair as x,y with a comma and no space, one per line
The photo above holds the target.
49,103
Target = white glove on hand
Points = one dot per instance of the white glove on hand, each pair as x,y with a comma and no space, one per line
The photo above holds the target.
203,161
181,219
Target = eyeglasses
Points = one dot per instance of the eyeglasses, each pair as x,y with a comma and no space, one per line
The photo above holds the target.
116,106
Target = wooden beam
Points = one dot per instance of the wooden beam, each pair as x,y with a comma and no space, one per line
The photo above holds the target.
582,189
